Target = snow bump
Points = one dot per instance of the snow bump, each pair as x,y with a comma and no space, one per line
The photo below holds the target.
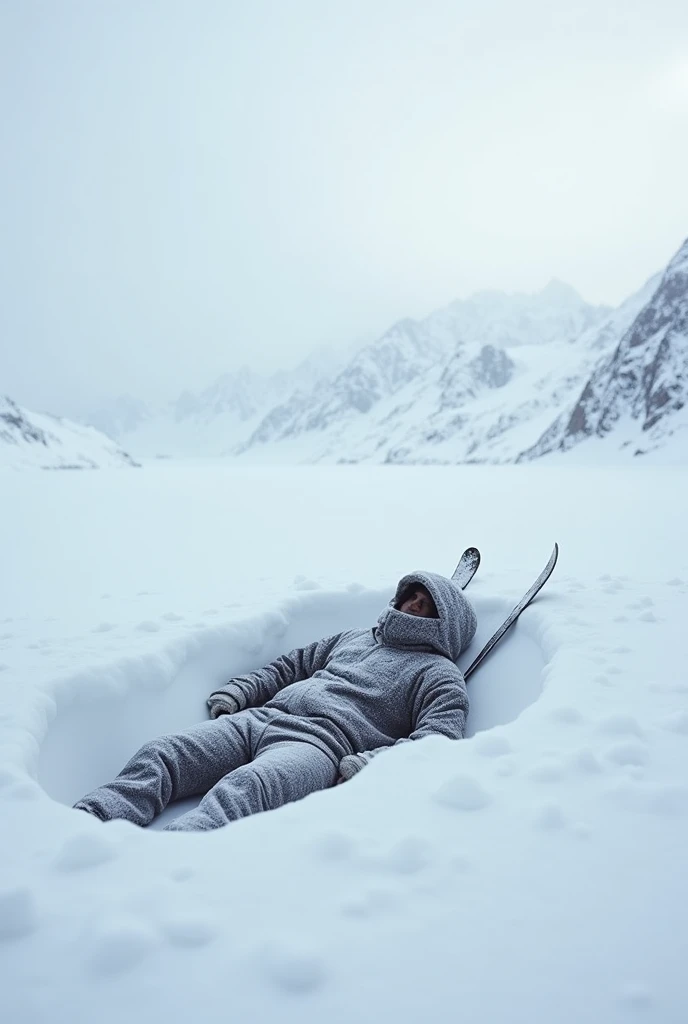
333,846
119,944
187,931
549,817
620,724
84,850
491,746
630,752
462,793
296,971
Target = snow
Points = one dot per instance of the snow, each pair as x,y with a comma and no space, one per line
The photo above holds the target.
30,440
532,872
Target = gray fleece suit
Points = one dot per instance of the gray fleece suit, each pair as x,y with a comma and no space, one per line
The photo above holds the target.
296,725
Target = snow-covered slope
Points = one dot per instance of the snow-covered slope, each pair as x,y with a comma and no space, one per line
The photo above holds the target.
636,398
478,381
533,873
29,439
212,421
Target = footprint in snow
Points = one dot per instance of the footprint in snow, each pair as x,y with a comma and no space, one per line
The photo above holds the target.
602,680
628,752
586,762
408,856
668,800
187,931
620,724
307,585
676,722
172,617
291,969
119,943
104,627
333,846
148,627
548,770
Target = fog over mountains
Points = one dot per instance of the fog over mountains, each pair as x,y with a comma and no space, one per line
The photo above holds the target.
493,378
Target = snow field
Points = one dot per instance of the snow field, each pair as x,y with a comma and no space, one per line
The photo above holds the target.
533,871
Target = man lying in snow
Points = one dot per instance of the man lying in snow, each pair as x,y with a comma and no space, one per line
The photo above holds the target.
310,719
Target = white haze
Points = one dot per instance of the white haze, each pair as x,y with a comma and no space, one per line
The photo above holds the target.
191,186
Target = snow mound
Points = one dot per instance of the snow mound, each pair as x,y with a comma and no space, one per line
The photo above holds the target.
103,716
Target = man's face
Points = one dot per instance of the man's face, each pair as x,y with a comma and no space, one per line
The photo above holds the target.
419,602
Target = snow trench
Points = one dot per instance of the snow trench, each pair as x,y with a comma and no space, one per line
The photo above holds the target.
100,717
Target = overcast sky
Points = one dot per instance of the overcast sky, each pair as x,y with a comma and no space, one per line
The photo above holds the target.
187,186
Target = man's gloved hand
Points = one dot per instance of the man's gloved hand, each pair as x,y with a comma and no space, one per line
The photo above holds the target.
226,701
352,763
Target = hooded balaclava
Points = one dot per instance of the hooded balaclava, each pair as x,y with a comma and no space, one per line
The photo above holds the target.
449,634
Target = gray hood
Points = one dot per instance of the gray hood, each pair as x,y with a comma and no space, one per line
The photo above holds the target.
449,635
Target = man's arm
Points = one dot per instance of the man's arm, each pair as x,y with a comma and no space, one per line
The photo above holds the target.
256,688
441,709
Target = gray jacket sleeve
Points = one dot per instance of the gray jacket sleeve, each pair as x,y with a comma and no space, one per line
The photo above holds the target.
256,688
441,705
440,709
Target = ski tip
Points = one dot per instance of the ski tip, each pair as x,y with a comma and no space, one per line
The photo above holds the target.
467,567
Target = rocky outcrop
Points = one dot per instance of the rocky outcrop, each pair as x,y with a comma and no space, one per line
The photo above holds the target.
45,442
634,395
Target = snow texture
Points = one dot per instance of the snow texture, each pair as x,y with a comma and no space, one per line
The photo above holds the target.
33,440
541,858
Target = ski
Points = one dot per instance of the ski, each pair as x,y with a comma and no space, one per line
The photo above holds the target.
521,606
467,567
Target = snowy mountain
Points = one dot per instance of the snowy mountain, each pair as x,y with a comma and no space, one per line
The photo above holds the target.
483,380
36,440
212,421
478,381
636,397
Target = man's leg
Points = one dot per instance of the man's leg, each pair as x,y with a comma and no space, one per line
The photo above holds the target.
171,767
280,773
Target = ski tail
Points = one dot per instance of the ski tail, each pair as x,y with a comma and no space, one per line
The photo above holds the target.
467,567
521,606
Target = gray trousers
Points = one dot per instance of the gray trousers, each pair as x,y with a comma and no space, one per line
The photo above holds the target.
253,761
